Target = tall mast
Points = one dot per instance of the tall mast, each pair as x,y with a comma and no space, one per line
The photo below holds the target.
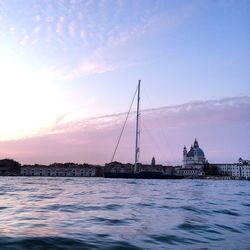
137,146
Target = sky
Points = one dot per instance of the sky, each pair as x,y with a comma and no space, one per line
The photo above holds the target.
69,69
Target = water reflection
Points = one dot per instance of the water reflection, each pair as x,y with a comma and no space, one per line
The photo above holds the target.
101,213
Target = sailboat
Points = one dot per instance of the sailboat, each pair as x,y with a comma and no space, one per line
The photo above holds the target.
136,172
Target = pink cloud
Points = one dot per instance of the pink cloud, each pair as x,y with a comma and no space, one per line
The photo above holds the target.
36,30
37,18
72,29
221,126
88,68
24,40
59,29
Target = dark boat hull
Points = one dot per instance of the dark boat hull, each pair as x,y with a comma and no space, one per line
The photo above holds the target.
141,175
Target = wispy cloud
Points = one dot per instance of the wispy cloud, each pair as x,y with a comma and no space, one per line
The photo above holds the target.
103,58
100,30
88,68
24,40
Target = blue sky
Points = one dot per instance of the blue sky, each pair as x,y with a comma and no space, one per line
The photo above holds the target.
68,60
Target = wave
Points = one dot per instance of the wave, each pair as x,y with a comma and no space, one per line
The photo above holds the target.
62,243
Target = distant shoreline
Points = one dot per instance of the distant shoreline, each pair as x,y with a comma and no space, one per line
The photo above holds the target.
10,167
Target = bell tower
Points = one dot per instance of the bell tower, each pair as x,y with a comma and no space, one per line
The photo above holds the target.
153,161
184,156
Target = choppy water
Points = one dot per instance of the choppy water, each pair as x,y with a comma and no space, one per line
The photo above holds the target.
97,213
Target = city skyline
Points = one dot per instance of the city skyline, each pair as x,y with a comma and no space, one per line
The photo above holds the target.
69,70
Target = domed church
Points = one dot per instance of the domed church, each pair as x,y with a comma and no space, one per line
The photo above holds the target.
194,158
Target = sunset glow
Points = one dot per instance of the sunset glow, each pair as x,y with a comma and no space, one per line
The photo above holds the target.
70,62
30,102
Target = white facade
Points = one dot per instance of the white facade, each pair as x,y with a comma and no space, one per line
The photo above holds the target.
225,169
191,172
244,162
241,171
237,170
58,171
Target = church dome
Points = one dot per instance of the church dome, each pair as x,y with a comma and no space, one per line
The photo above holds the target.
195,150
200,152
190,152
194,158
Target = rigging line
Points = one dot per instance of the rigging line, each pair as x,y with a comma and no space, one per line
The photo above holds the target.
153,141
120,136
159,124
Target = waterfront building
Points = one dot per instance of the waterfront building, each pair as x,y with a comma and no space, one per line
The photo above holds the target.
168,170
192,172
244,162
61,170
224,169
118,167
240,170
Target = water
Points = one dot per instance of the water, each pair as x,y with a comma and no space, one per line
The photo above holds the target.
97,213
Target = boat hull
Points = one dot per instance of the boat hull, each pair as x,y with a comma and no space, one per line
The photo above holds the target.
141,175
